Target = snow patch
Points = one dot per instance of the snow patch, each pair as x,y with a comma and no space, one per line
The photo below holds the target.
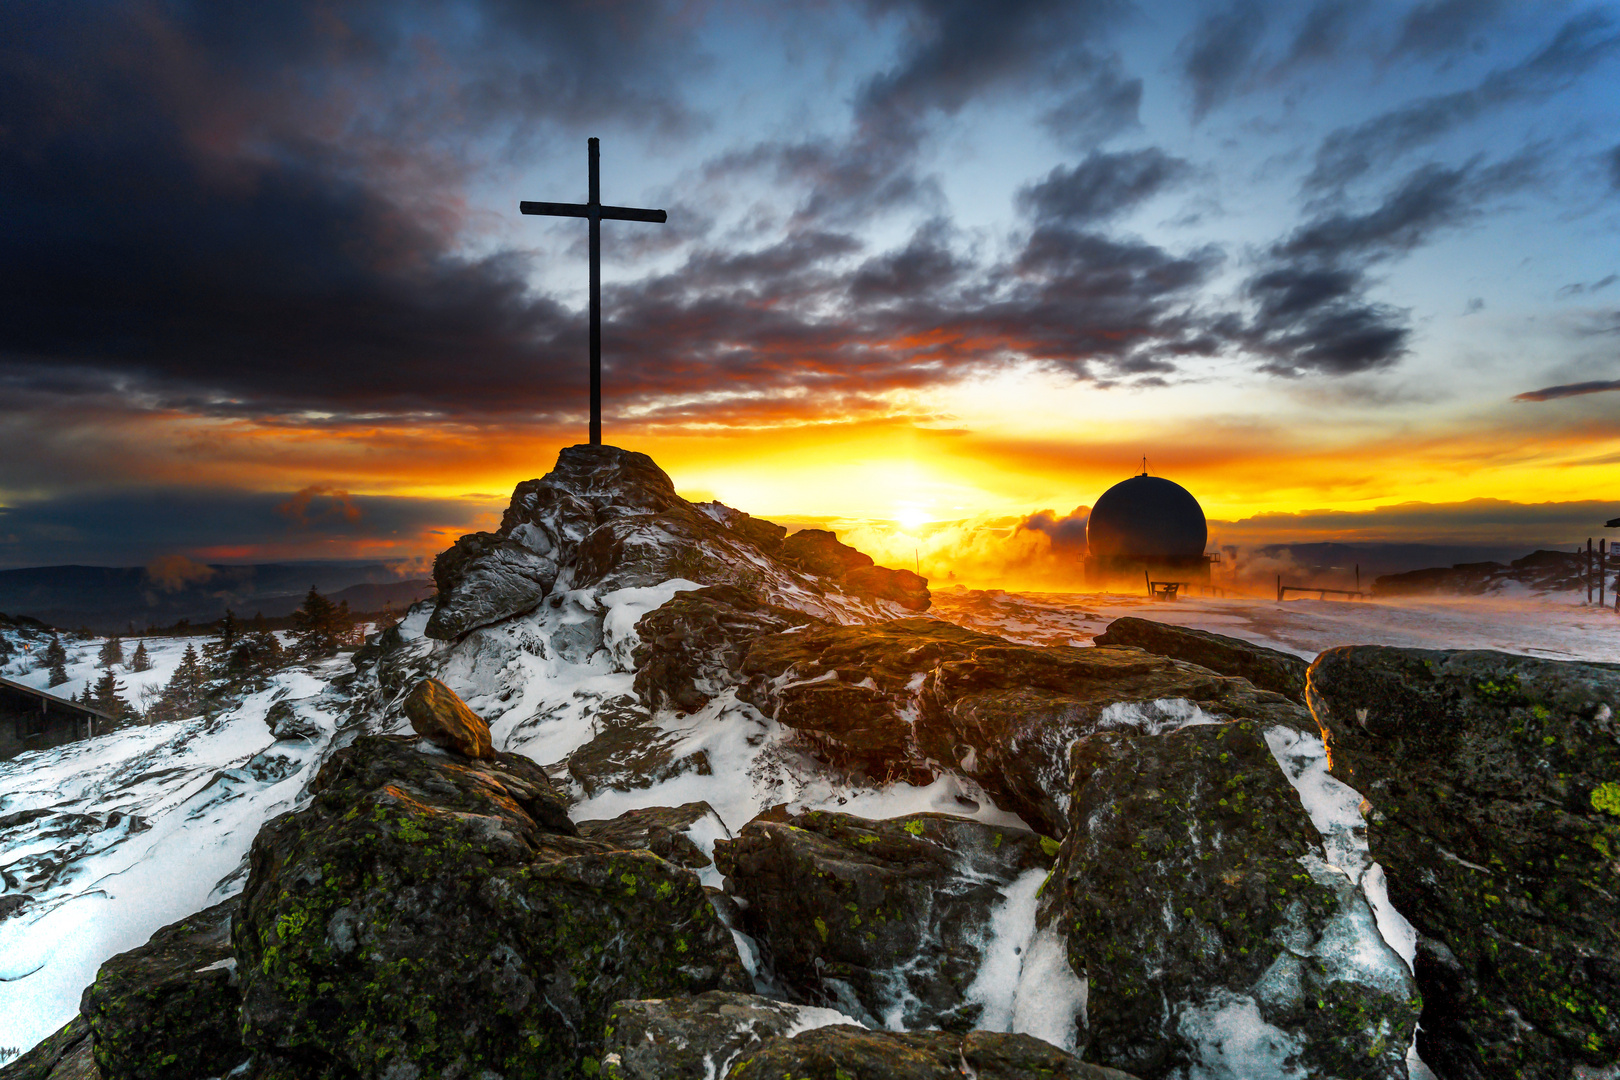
1234,1043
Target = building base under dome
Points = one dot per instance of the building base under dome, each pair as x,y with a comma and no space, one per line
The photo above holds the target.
1123,573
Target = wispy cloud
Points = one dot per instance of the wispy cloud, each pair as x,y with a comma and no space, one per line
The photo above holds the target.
1553,393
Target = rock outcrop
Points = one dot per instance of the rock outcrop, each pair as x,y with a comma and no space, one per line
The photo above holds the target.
908,698
884,920
610,519
1494,782
841,1051
68,1054
1193,894
170,1010
662,830
431,915
1268,669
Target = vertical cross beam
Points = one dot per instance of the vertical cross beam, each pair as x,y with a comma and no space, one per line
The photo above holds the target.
594,212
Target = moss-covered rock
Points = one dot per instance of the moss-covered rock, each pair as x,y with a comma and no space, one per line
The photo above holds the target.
66,1055
1488,775
170,1010
845,1052
1193,894
436,916
880,919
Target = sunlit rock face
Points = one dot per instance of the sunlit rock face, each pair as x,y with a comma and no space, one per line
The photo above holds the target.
1268,669
1194,896
1494,782
884,920
609,519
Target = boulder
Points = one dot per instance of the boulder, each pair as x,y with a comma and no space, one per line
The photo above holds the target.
1194,897
842,1051
433,915
286,724
443,719
69,1054
1268,669
484,578
170,1010
1495,787
662,830
887,921
697,1038
908,698
692,647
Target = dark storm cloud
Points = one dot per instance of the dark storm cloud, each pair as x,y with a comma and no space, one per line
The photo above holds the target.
1442,27
1553,393
1312,310
225,260
1219,52
1102,186
1349,153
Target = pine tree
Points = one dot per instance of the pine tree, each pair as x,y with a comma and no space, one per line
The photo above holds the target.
112,653
56,660
229,631
183,694
107,696
142,660
320,625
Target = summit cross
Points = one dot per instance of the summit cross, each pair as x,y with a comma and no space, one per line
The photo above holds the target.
596,213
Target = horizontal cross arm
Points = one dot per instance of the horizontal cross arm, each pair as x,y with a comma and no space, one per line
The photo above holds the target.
631,213
555,209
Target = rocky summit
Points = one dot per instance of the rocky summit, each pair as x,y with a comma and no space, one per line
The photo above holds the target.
654,789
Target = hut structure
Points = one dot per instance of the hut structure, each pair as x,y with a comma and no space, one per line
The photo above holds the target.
1146,528
31,719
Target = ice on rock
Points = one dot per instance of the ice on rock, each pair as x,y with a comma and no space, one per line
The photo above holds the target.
1235,1043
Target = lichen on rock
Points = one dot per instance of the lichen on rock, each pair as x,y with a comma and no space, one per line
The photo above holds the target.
437,916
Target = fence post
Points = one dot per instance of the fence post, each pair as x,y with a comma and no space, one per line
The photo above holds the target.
1279,588
1588,569
1603,569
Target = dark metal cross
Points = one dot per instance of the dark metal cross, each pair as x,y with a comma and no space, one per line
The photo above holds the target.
596,213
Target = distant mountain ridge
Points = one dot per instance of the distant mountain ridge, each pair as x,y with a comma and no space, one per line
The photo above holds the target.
108,598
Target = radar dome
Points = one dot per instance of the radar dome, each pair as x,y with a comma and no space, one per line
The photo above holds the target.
1147,517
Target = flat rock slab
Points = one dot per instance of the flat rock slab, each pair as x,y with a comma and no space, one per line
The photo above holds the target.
659,829
1495,786
908,698
883,920
842,1051
1269,669
430,915
1193,894
170,1010
697,1038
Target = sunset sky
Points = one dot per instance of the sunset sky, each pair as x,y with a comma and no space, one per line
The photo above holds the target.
1345,270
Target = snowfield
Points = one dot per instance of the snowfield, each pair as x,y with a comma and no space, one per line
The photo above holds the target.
104,841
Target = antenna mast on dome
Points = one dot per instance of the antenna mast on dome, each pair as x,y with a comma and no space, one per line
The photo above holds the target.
1144,464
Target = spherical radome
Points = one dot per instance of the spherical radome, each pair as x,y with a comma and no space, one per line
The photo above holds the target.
1147,517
